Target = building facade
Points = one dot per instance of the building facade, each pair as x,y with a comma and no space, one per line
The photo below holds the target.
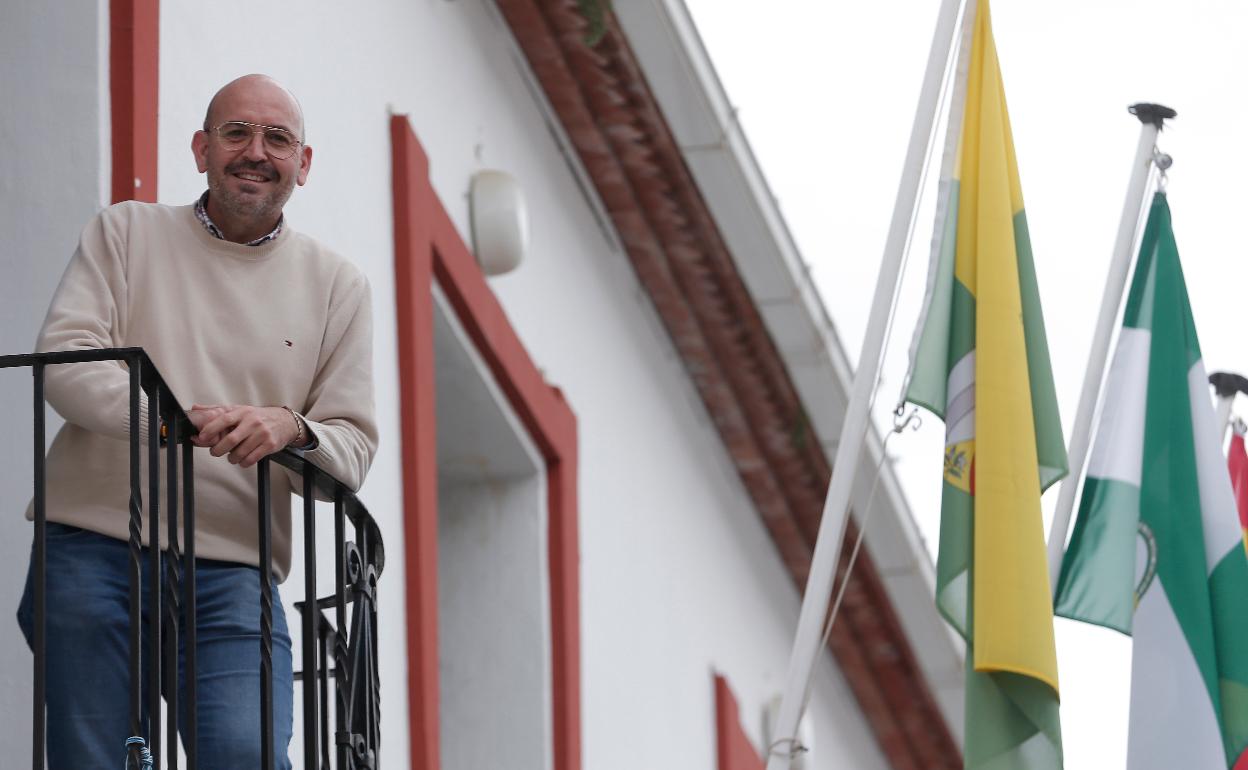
600,474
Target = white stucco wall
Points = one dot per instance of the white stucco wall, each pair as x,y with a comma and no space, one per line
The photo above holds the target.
678,576
53,173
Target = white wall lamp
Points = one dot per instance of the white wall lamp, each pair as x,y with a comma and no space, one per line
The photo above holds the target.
500,221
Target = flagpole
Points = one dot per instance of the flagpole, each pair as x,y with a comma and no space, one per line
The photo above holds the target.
1152,119
1226,385
808,640
1224,415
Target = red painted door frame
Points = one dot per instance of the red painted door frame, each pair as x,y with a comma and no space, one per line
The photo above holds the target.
134,82
428,249
733,749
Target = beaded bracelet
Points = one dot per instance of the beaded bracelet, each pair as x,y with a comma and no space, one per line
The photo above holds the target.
300,438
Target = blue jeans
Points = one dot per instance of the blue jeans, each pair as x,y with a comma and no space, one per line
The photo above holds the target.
88,645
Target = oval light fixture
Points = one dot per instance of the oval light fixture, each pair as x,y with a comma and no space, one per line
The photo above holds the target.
499,220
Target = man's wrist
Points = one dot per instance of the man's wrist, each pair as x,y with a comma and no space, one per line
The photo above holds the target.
301,429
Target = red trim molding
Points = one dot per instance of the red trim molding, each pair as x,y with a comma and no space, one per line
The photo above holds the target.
413,278
636,166
429,249
134,79
732,746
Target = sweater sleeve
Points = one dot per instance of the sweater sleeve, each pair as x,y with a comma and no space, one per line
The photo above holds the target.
88,311
339,410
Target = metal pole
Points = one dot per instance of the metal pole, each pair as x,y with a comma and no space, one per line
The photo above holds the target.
41,577
190,733
136,557
341,704
155,578
172,611
1152,117
266,616
311,613
322,686
1227,385
808,640
1224,415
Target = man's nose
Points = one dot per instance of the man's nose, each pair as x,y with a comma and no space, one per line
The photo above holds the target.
254,150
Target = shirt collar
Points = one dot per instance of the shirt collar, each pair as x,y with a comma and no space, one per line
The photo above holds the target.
201,213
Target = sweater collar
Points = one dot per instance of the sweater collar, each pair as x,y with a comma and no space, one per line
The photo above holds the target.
201,213
240,251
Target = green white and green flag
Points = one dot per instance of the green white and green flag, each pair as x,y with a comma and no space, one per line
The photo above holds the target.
981,362
1157,552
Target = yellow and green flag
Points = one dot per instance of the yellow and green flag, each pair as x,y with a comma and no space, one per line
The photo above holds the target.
981,362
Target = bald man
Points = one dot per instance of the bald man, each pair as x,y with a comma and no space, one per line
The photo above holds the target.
268,334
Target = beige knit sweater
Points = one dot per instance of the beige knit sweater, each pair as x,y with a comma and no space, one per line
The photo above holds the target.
284,323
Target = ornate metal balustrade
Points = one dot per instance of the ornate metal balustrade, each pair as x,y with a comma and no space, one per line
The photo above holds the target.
339,631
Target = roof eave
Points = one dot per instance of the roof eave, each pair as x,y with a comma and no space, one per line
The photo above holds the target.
653,129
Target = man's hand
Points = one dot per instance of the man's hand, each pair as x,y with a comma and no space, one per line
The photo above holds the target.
246,433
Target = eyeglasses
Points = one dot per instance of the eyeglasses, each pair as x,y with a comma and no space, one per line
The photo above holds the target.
234,135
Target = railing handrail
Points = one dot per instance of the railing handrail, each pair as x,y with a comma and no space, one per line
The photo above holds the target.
343,646
151,381
327,484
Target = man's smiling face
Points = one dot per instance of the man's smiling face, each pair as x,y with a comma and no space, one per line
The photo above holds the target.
249,185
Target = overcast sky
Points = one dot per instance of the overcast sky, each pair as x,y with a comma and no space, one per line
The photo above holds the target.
826,93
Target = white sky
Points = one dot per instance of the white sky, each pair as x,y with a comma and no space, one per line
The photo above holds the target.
826,93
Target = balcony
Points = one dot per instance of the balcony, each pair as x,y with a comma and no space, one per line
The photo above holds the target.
337,632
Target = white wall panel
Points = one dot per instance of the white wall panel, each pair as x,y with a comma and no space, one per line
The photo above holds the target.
53,170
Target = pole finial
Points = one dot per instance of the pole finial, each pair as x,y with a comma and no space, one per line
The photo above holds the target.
1156,114
1227,384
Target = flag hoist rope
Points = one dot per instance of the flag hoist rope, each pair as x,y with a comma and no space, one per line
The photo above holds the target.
901,420
807,642
1152,118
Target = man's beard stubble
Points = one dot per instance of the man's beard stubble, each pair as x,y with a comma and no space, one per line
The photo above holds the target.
251,207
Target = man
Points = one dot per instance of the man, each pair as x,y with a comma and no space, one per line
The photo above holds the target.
268,334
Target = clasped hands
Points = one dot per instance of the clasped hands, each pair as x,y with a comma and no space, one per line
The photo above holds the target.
246,433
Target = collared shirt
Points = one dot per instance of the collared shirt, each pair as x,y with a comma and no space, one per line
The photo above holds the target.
201,213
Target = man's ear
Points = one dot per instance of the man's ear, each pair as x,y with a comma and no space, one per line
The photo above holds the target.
199,146
305,164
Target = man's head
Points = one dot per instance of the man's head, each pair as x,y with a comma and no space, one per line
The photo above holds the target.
248,185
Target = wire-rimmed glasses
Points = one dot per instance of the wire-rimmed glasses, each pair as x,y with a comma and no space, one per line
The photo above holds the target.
234,135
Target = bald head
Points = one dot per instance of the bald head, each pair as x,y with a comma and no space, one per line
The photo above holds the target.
250,183
255,92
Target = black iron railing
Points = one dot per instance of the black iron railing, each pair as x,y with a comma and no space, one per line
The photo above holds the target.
339,631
